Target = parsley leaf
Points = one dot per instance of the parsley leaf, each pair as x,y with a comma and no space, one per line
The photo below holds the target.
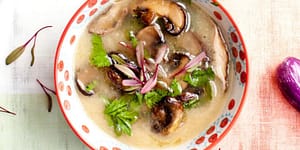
98,55
191,104
154,96
91,86
121,115
199,77
176,88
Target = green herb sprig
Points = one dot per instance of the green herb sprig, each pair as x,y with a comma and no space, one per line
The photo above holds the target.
154,96
199,78
120,116
98,56
17,52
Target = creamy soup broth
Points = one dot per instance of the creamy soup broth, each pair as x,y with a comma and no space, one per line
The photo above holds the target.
195,120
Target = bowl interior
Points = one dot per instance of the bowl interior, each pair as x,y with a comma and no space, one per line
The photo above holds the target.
94,137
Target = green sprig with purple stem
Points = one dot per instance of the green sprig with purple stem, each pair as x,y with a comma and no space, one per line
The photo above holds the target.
17,52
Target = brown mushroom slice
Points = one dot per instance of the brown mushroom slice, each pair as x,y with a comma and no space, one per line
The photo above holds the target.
190,42
151,35
219,58
176,18
177,62
111,19
147,16
188,96
84,77
166,116
190,93
115,77
213,44
82,88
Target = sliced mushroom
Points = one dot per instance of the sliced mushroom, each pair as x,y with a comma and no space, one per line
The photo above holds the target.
122,68
174,15
187,96
190,42
177,61
115,77
166,116
111,19
220,59
191,91
84,77
147,16
82,88
218,54
152,36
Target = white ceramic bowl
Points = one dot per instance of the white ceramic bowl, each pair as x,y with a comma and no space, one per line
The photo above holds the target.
92,135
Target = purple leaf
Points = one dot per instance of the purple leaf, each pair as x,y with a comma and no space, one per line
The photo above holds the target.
140,53
124,69
161,52
131,82
195,61
150,83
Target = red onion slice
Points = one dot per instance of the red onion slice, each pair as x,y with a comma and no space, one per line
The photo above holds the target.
195,61
126,45
140,53
288,77
150,83
131,82
161,52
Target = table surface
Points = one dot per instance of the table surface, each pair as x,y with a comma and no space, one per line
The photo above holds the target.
271,30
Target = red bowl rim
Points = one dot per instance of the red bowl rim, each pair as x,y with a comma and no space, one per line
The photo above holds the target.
222,135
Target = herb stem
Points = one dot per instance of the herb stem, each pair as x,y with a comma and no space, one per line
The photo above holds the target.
6,111
45,89
36,33
17,52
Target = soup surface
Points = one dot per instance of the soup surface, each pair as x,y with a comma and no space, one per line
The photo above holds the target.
201,35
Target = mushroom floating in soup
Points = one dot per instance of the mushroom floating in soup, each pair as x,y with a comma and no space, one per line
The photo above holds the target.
157,71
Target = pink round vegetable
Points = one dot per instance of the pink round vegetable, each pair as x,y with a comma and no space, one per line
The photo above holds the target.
288,77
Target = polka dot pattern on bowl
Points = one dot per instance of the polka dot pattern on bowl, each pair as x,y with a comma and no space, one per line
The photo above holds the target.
86,130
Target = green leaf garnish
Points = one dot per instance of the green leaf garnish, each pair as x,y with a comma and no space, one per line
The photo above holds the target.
154,96
16,53
120,115
191,104
118,59
199,77
91,86
98,55
176,88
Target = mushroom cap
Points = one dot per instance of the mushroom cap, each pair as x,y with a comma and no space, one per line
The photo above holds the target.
151,35
174,14
167,115
110,19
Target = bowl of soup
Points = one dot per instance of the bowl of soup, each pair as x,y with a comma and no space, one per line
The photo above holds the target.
151,74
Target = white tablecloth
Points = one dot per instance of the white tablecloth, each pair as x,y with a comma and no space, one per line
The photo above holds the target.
33,128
